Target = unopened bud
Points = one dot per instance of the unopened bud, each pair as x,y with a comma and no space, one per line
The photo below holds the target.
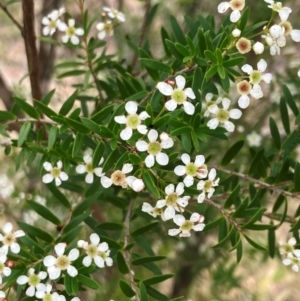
258,48
276,31
236,33
269,41
10,264
171,82
163,136
137,185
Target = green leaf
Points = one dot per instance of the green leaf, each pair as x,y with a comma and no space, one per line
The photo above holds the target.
275,133
71,235
284,116
211,56
47,98
75,221
272,242
98,154
91,125
149,182
52,137
225,239
6,116
211,72
126,289
240,210
145,228
110,226
157,279
256,161
106,132
233,197
138,96
111,159
257,216
77,126
156,294
244,19
44,212
24,131
239,251
84,205
290,100
296,226
143,292
87,281
71,73
101,115
122,265
290,143
68,284
59,196
254,244
26,107
182,49
233,62
297,177
222,72
155,65
134,159
68,104
36,232
147,259
177,31
44,109
182,130
213,224
232,152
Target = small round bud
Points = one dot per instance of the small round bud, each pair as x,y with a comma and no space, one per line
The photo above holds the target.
276,31
163,136
269,41
137,185
258,48
10,264
236,33
171,82
243,45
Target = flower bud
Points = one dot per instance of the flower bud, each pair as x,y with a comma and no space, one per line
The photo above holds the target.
276,31
236,33
269,41
10,264
258,48
243,45
164,136
299,73
137,185
171,82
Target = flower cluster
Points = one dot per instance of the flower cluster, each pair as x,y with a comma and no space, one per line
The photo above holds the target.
290,254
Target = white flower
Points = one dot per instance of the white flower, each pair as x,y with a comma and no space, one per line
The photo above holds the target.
72,33
178,95
34,282
75,299
6,271
55,173
254,139
173,201
105,29
99,252
288,249
258,48
223,115
235,5
88,168
132,121
294,261
191,169
6,187
119,177
244,88
288,30
51,21
185,226
207,186
208,102
276,31
9,239
114,14
62,262
2,295
236,33
136,184
154,149
153,211
284,12
46,294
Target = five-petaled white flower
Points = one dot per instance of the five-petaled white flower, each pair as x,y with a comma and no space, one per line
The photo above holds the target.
6,271
88,168
254,139
34,282
283,12
46,294
294,261
72,33
208,102
62,262
235,5
105,29
132,120
51,21
191,169
275,38
154,148
99,252
55,173
178,96
244,88
223,115
207,186
153,211
256,76
114,14
185,226
288,249
173,201
9,238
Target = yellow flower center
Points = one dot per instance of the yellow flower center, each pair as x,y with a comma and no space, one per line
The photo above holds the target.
92,251
187,226
9,239
89,168
34,280
55,172
70,31
118,178
191,169
133,121
255,77
62,262
172,199
222,115
179,96
154,148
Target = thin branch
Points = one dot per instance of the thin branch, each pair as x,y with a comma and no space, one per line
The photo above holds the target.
143,31
127,252
260,183
4,8
278,217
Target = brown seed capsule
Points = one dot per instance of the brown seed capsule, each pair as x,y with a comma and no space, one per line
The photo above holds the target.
243,87
243,45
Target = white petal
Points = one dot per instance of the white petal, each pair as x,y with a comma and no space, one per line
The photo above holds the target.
152,135
81,169
256,91
162,159
54,272
244,101
46,30
223,6
15,248
179,219
180,82
247,69
7,228
75,40
127,168
126,134
235,16
47,178
22,280
98,172
167,143
49,261
149,161
170,189
171,105
209,96
190,93
267,77
40,294
262,65
129,180
131,107
45,21
159,204
144,115
214,109
292,241
169,213
65,39
183,202
235,113
180,170
164,88
138,185
79,31
99,261
186,159
87,261
95,239
106,182
100,26
226,103
60,248
42,275
295,268
57,181
188,181
180,188
212,174
72,271
284,13
6,271
48,166
120,119
189,108
201,197
103,247
286,261
174,232
195,217
109,261
142,129
229,126
199,160
71,22
198,227
213,123
89,178
63,176
30,291
295,35
101,35
73,255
